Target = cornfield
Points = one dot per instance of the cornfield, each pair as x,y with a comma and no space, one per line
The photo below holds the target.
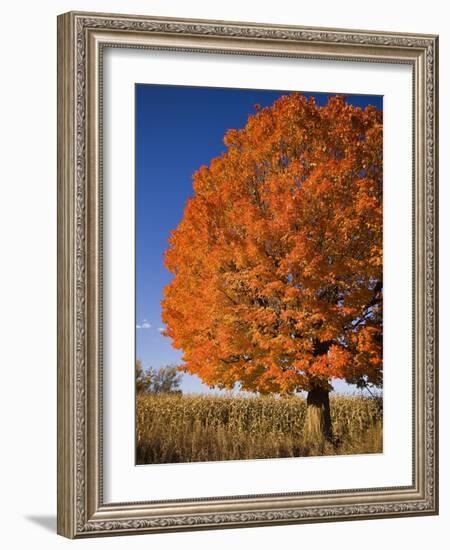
193,428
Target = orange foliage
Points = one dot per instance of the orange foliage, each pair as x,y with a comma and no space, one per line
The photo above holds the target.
277,261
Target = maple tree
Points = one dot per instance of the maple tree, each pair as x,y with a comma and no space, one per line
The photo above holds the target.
277,261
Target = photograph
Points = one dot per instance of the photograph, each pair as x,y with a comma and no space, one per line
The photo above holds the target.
224,237
258,274
247,273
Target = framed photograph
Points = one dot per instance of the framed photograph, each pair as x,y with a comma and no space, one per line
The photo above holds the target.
247,287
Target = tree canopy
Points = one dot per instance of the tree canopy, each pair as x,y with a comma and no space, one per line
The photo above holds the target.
277,261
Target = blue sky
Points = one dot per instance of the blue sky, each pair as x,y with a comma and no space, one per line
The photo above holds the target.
178,129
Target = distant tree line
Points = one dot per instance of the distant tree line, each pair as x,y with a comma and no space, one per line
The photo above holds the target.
166,379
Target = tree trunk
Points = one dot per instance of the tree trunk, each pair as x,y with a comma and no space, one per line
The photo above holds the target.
317,430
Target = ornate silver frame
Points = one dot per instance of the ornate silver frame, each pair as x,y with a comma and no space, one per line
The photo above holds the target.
81,39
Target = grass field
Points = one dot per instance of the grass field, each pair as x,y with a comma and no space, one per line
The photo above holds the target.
190,428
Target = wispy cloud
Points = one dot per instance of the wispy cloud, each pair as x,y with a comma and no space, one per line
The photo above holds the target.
161,329
144,324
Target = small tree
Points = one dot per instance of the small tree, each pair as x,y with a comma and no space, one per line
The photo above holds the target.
166,379
144,379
